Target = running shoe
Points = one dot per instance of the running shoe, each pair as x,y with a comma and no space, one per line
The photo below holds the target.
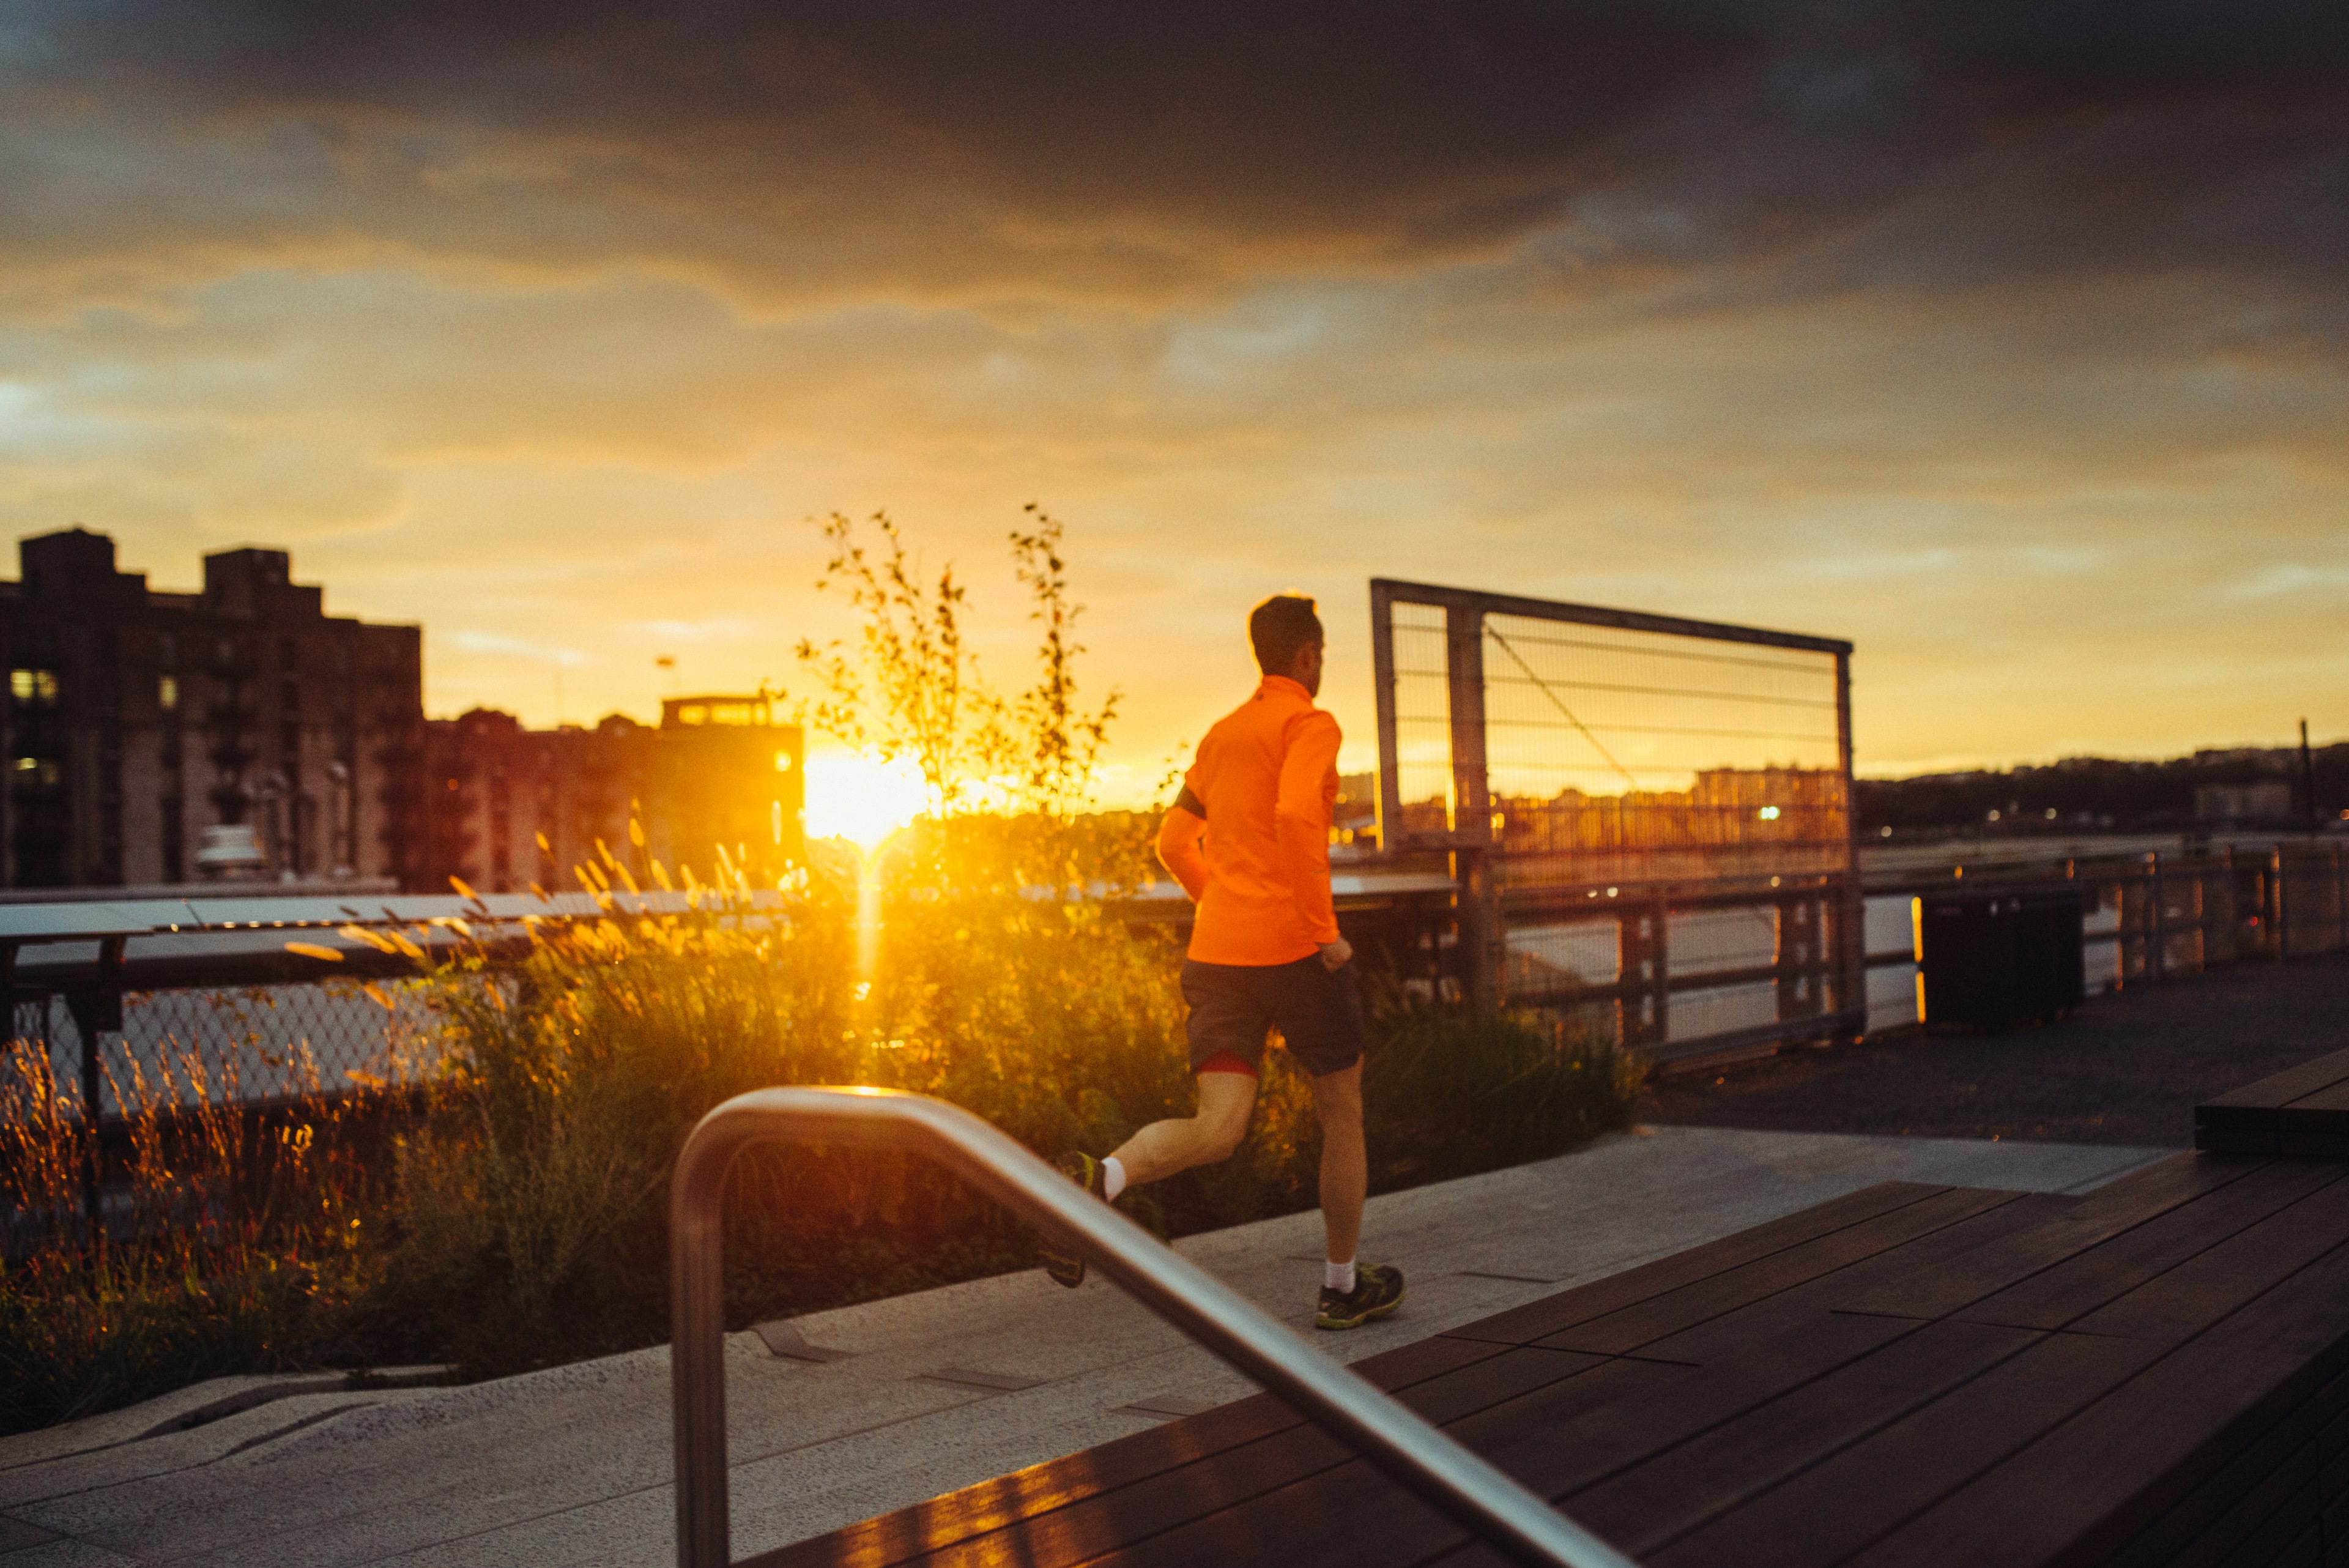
1378,1291
1068,1267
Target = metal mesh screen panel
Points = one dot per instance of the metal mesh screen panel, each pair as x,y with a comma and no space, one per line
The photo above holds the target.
1629,754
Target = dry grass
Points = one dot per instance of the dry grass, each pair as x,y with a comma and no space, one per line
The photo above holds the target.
233,1243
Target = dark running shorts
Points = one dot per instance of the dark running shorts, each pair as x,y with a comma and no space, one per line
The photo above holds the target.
1319,1013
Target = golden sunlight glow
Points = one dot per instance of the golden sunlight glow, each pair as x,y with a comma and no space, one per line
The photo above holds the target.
861,798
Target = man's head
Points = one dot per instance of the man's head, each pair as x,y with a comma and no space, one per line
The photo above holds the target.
1287,635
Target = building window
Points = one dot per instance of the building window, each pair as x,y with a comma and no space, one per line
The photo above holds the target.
167,650
33,688
33,774
167,693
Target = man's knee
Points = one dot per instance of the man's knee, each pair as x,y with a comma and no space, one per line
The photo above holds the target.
1222,1136
1338,1097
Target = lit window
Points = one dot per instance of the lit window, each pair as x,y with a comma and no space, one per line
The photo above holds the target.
1769,814
167,692
782,762
32,685
693,713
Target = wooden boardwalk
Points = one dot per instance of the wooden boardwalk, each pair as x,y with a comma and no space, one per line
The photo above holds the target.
2156,1373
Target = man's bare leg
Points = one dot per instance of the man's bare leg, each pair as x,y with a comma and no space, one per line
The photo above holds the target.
1345,1163
1162,1149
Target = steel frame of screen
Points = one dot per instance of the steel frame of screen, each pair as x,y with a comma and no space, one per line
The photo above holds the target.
1822,982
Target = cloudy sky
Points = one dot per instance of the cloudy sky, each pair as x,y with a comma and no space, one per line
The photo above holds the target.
2009,341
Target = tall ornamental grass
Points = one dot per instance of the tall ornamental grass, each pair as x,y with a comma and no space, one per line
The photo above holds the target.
231,1242
531,1209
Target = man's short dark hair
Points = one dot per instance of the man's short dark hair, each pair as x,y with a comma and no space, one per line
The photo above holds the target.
1278,628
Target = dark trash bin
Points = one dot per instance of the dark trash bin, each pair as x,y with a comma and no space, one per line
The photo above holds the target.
1993,960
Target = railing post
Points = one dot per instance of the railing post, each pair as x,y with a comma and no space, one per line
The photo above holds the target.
1660,955
2156,940
1479,940
697,1353
2232,883
2340,901
2278,921
96,1012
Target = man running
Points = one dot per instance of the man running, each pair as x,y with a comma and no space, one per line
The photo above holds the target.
1249,840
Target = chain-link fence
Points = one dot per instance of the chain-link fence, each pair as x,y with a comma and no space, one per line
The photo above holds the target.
242,1044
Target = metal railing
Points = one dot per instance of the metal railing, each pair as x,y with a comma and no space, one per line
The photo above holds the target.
2155,917
1486,1502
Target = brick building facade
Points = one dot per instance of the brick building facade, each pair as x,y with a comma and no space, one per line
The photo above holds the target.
139,727
508,808
137,724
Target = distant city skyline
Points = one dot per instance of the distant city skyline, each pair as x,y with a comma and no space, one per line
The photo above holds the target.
1126,782
2011,344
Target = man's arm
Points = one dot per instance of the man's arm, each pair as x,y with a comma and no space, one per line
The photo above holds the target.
1179,833
1301,825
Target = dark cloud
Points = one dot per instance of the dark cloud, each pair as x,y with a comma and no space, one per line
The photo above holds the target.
1068,145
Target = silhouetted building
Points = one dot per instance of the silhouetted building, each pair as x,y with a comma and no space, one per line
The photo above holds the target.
508,808
149,737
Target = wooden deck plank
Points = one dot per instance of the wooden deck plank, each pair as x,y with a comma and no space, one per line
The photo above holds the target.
2264,1543
1537,1320
1555,1442
1646,1323
1832,1292
1943,1289
2247,1105
1126,1520
2203,1512
2316,1126
2098,1479
974,1511
2078,1285
1380,1523
2297,1112
1835,1507
2304,1313
2216,1283
1670,1494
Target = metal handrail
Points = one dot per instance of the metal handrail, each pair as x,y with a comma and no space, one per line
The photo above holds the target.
1487,1502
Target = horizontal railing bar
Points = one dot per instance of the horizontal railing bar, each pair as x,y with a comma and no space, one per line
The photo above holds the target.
1489,1504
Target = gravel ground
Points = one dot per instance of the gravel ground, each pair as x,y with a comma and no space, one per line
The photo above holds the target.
2124,1069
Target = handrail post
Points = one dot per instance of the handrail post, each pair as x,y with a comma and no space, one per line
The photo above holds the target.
1463,1485
698,1350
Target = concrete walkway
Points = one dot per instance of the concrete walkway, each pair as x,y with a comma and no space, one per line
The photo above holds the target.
881,1405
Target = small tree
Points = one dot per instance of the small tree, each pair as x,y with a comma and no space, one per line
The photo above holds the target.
912,688
1059,741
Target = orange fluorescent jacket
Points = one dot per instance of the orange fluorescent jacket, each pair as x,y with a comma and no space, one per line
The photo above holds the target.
1249,836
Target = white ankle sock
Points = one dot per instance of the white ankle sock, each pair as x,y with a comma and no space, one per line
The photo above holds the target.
1112,1178
1337,1276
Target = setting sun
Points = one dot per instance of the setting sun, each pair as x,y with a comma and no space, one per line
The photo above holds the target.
861,798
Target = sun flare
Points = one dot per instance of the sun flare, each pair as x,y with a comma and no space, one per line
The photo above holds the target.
861,798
